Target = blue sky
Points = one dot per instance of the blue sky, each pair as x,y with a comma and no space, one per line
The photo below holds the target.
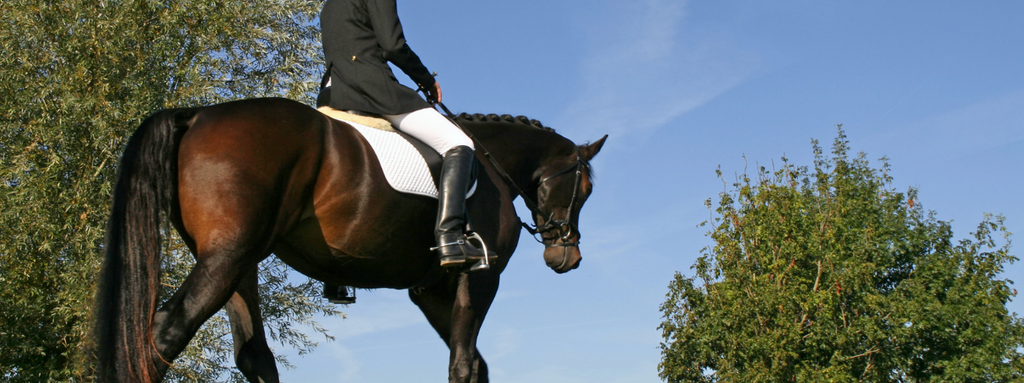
683,87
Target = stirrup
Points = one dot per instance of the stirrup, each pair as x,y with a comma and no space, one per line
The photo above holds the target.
340,295
483,262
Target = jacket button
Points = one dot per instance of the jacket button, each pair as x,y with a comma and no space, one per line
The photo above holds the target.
353,58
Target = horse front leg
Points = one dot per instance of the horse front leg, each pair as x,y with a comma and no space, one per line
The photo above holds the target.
456,311
252,354
465,329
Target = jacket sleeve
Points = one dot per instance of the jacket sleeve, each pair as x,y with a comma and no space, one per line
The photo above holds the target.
384,17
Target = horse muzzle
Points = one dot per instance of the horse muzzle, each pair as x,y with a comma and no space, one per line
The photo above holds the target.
562,257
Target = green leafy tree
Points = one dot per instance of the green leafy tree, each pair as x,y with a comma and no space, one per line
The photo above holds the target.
830,275
76,78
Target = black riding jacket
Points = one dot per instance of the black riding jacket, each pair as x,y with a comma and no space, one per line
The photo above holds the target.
359,38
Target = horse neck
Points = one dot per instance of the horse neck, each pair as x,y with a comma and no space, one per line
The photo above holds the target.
521,150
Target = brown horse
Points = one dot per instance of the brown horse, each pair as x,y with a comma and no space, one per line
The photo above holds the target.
242,180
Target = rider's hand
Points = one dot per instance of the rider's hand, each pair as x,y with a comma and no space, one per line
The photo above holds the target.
434,94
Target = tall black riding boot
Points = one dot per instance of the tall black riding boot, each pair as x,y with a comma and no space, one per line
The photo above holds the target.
453,247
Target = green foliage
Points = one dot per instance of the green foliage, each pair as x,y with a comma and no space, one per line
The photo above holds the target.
76,78
830,275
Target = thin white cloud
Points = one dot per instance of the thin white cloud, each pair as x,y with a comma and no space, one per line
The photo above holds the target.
330,362
545,374
972,128
377,314
648,68
616,240
504,342
380,310
343,362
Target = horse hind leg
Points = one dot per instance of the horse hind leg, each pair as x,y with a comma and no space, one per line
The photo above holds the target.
218,273
252,354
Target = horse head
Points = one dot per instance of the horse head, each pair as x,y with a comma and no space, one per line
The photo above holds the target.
563,185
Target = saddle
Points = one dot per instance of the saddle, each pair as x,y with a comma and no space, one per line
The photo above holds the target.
409,165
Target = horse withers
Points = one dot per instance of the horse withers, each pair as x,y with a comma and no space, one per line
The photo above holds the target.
243,180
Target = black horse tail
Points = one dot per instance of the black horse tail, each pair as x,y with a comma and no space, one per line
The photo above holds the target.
129,281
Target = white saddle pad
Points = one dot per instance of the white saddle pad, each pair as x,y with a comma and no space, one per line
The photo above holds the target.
404,167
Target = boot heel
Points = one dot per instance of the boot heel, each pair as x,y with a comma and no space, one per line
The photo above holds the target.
453,261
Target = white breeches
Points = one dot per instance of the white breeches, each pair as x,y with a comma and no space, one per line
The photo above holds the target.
429,126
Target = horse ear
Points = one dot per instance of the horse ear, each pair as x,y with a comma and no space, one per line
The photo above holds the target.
589,151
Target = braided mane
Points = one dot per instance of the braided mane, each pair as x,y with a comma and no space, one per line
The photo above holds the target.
523,120
504,118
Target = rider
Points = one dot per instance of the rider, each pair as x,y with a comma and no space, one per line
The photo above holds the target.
359,38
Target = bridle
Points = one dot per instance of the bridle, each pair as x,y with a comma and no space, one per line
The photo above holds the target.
564,226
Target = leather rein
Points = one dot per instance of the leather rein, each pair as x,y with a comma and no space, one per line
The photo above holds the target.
564,227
